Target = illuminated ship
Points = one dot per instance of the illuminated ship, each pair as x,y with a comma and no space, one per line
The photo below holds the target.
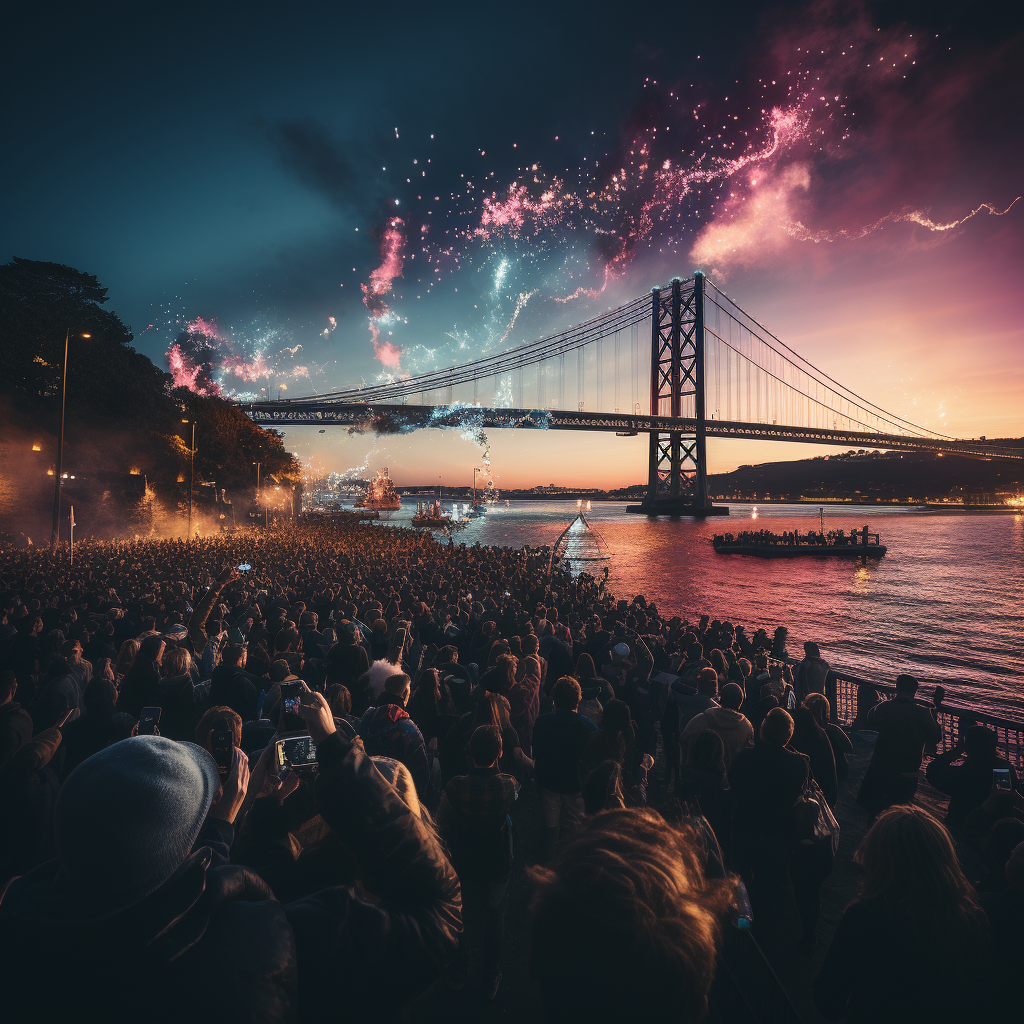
381,494
433,517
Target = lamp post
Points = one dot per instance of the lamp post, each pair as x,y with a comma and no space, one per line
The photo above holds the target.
257,465
191,474
55,531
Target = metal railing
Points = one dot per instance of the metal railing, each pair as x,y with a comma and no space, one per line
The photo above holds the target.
852,698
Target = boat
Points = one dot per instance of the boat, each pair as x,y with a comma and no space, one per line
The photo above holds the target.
381,494
765,544
433,517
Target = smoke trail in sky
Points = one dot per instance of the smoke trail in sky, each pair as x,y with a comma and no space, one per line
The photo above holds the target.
392,249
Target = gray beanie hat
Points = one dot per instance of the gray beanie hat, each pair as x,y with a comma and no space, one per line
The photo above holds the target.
127,817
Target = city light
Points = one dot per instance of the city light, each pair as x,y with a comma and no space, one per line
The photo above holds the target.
37,448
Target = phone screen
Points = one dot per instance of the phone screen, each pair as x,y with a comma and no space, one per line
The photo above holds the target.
1001,777
222,744
290,720
149,721
244,567
296,752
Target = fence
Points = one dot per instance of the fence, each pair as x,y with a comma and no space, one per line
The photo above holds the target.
852,698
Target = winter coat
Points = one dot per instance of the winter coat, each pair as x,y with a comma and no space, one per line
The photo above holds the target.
388,731
213,944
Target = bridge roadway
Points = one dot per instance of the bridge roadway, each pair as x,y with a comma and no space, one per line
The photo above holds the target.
386,418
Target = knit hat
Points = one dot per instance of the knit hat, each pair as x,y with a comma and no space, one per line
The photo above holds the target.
127,817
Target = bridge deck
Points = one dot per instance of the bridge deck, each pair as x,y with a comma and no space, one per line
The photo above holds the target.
390,418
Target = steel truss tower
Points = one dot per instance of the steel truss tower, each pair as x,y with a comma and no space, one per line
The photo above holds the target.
677,470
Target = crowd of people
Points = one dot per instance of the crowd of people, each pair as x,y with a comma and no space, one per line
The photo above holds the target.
291,771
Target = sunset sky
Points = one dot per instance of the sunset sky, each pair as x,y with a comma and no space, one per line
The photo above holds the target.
332,195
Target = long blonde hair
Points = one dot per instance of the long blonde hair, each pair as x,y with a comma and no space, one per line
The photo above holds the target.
126,658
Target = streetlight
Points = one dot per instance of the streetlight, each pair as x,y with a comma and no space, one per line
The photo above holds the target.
191,474
257,465
55,531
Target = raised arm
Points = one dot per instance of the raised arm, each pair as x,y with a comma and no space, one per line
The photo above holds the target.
197,624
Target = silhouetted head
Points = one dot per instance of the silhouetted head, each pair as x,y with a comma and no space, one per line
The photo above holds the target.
707,682
777,728
906,686
731,697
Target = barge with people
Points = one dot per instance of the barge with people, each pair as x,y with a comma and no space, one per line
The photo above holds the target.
793,544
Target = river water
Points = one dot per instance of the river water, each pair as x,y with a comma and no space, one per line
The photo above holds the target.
946,602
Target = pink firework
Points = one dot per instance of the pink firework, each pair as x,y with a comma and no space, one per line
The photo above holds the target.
392,251
202,326
185,372
508,216
247,369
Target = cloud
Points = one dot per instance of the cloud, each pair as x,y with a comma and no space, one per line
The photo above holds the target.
752,230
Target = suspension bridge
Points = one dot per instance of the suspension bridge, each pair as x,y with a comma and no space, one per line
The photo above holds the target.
710,370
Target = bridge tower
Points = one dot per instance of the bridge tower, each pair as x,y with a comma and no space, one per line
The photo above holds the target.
677,471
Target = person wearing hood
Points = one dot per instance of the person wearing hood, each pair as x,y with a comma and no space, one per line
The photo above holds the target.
733,727
387,731
141,881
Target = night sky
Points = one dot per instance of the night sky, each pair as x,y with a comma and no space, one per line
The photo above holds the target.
467,178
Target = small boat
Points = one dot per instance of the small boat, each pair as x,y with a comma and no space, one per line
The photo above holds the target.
381,494
434,517
765,544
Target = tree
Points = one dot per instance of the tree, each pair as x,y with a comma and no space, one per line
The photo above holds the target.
111,386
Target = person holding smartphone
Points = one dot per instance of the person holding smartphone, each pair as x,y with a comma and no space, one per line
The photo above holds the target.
141,878
969,783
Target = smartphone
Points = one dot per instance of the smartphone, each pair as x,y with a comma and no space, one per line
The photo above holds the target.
296,752
290,698
244,567
149,722
222,743
1001,777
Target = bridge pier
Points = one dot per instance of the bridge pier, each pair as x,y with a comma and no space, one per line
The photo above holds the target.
677,482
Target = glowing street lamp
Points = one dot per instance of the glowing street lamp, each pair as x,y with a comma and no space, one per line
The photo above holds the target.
55,528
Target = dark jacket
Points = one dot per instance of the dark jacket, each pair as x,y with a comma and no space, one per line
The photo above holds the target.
967,785
15,729
176,697
231,687
881,969
905,728
809,738
765,781
388,731
212,943
92,733
559,743
53,699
